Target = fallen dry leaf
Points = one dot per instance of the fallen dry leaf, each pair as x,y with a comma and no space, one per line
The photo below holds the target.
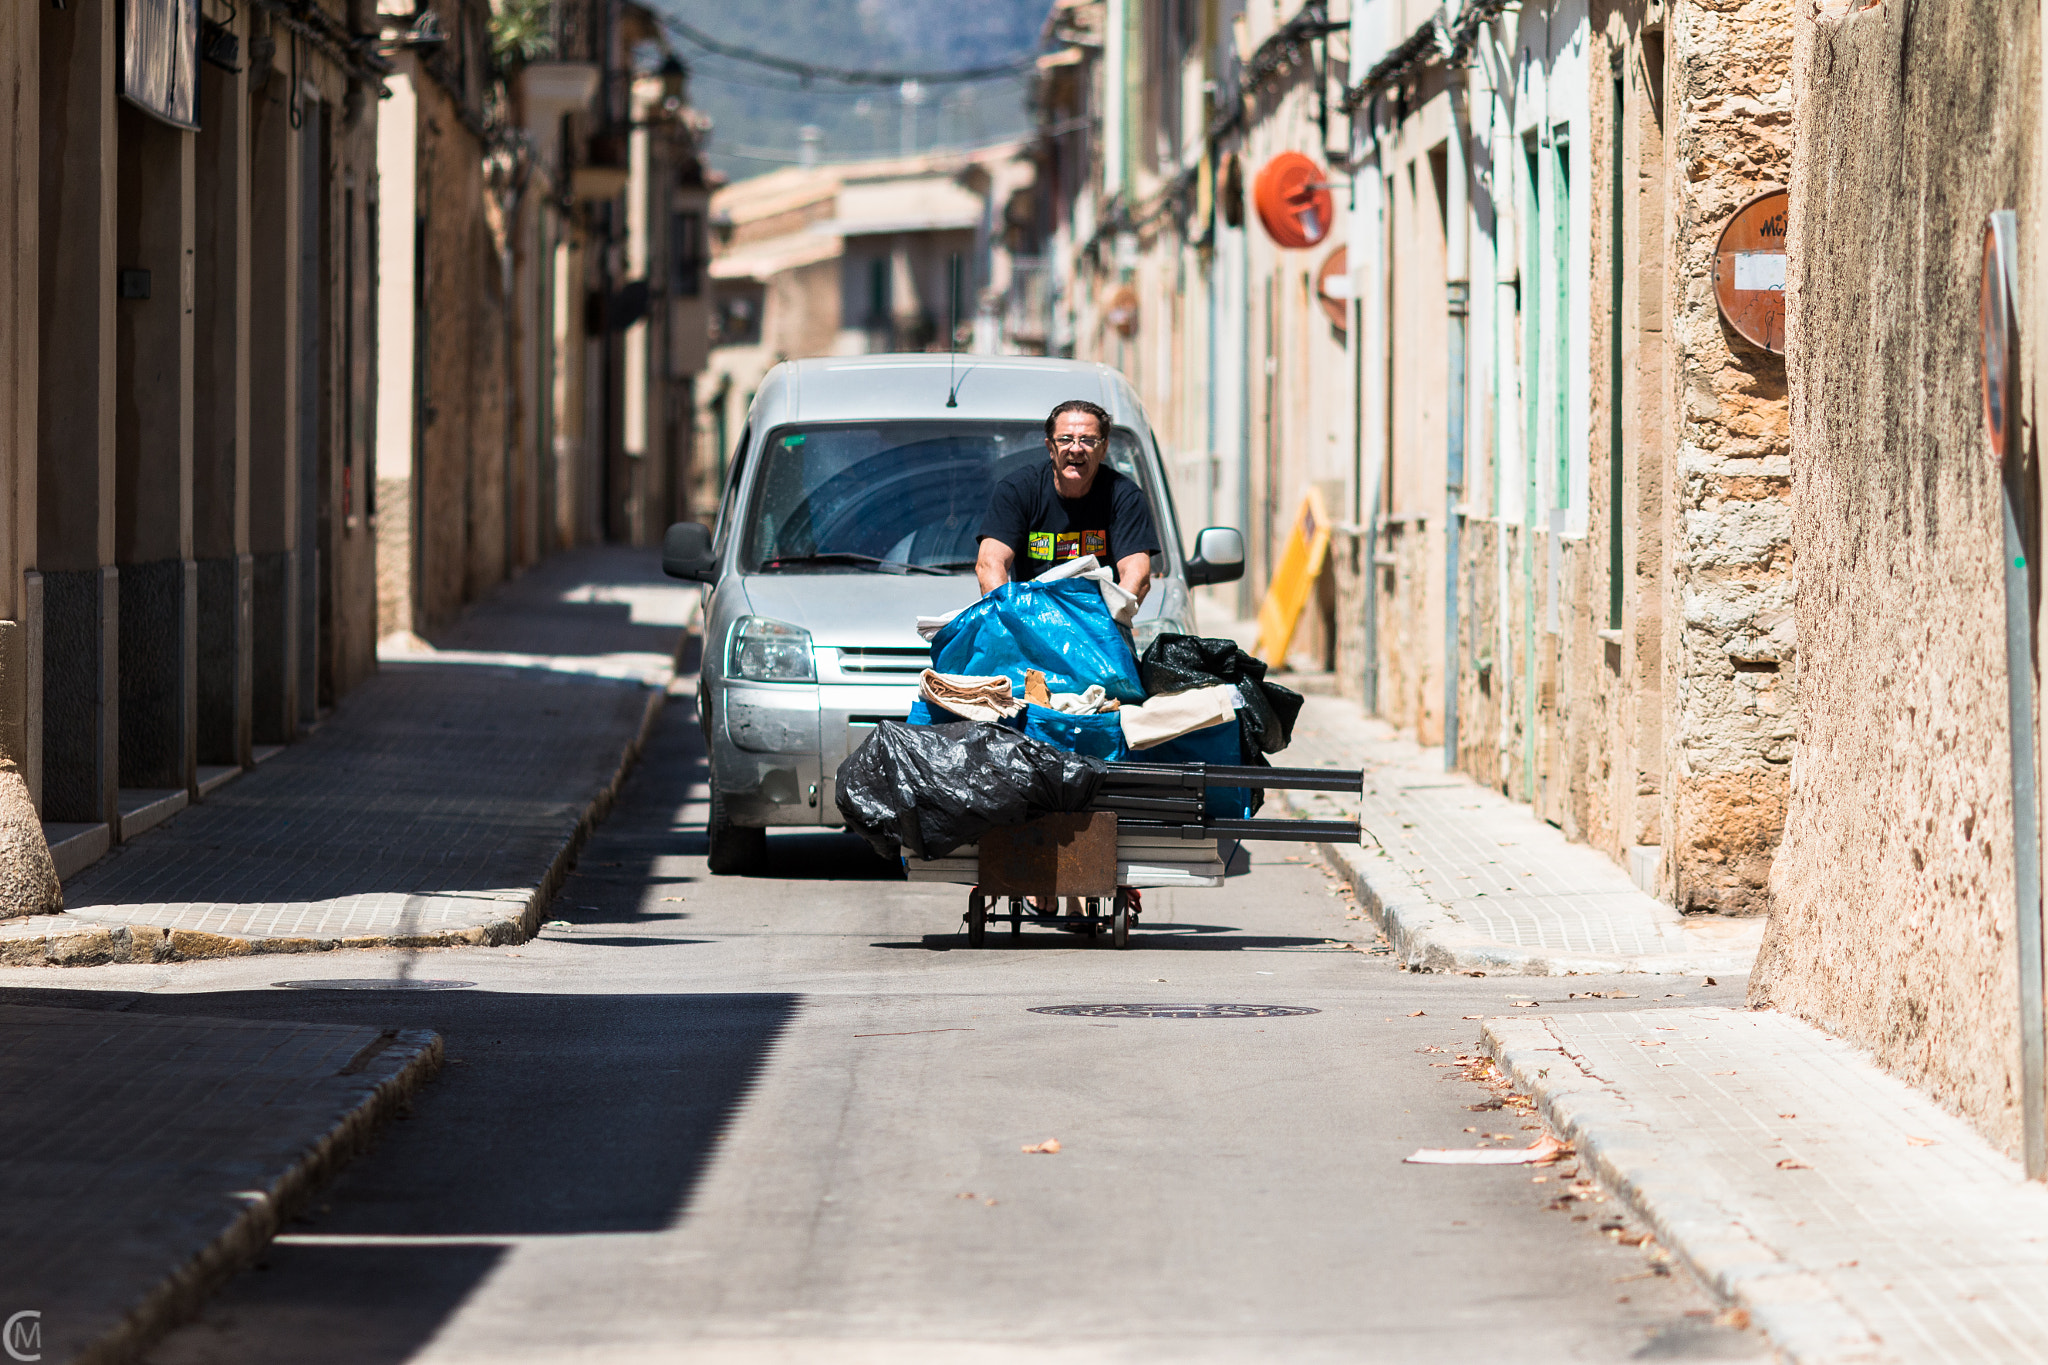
965,1194
1621,995
1045,1148
1414,1014
1708,981
1541,1152
1738,1318
1475,1016
1725,1073
1527,1004
1912,1141
1788,1116
1650,1042
1792,1163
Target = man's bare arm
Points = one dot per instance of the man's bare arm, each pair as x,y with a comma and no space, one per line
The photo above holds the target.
992,565
1134,572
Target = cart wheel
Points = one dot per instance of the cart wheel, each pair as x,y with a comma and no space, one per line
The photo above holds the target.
1120,926
1017,909
977,918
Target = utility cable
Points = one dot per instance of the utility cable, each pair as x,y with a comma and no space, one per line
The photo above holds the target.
809,71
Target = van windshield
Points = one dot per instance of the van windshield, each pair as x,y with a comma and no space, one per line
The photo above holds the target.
892,497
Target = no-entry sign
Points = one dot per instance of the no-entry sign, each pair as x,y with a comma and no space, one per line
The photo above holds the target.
1749,271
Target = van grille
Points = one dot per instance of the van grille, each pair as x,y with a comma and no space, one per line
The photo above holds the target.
899,662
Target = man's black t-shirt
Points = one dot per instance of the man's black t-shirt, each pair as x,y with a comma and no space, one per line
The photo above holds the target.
1109,521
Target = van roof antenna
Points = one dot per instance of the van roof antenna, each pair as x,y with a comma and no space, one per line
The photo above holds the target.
953,329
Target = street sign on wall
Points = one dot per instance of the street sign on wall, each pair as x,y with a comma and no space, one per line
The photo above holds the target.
1996,323
1292,196
1749,271
1333,288
160,58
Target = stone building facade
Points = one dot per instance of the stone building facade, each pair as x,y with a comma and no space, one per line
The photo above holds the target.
1894,917
189,565
544,246
1559,482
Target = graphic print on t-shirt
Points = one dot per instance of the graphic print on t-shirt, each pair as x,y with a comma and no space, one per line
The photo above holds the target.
1057,545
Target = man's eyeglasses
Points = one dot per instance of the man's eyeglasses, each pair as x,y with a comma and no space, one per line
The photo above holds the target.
1076,442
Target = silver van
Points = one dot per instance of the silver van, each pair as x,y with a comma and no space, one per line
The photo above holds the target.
851,508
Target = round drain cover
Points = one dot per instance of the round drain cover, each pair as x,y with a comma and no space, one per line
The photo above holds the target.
371,984
1175,1011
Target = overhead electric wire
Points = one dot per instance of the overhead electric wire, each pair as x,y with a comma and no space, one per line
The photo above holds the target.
811,71
725,78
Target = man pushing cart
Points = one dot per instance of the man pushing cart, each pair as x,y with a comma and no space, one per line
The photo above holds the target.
1044,759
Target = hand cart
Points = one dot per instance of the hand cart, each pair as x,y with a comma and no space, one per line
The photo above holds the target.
1146,828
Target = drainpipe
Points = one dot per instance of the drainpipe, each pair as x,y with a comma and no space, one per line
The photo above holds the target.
1457,292
1368,282
1115,77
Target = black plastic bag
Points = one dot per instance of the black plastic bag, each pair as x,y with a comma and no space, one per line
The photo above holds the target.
1175,663
932,788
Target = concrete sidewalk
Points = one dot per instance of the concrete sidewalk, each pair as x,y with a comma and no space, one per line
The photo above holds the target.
440,803
149,1157
1851,1216
1462,879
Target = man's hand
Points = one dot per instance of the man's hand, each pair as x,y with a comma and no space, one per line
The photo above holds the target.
1134,574
992,565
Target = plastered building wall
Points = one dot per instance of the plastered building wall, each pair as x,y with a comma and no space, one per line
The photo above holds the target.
1892,894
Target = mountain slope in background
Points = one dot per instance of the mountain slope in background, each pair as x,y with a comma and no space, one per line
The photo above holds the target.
758,113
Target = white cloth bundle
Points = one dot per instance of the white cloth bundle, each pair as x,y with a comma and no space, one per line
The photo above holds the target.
970,698
1174,714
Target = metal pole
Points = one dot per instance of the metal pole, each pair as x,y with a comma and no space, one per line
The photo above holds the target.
2026,844
2001,273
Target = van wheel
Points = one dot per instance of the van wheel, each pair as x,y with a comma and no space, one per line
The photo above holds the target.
735,849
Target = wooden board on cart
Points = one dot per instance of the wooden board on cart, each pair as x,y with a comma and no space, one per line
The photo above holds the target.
1054,855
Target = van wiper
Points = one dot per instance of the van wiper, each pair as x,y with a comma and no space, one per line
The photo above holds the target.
848,557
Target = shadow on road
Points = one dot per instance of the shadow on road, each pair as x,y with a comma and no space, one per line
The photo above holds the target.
1174,938
556,1114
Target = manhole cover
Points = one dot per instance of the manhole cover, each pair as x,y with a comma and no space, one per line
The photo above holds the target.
371,984
1175,1011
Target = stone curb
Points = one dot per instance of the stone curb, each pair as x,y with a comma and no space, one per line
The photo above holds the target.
389,1077
1427,938
1697,1217
97,945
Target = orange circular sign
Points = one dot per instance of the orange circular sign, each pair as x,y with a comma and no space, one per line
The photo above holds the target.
1293,200
1997,325
1333,288
1122,311
1749,271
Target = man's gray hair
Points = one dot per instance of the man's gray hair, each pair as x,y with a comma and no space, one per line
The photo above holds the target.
1095,410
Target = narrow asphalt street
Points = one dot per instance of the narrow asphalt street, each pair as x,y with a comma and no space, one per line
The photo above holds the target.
781,1119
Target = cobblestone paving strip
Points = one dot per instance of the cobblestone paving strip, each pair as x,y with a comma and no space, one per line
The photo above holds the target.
440,804
1462,879
1854,1219
148,1157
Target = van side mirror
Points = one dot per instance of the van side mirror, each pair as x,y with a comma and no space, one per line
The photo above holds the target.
1218,557
686,552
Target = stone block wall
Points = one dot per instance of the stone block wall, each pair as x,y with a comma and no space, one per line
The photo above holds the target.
1729,641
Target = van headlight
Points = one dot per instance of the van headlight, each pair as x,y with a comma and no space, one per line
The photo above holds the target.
1144,633
765,650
